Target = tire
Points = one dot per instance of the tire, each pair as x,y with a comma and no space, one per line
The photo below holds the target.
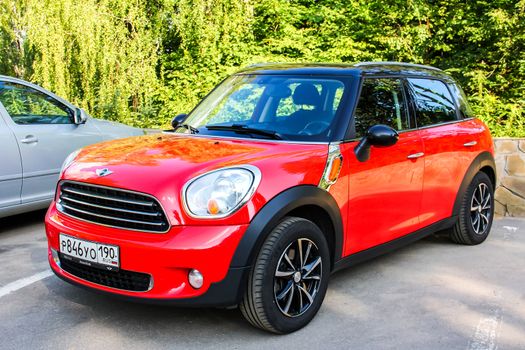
475,218
274,279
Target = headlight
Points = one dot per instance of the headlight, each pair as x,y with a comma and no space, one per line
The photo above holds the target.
69,160
221,192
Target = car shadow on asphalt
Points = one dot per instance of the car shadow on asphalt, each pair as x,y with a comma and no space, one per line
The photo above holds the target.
172,321
14,222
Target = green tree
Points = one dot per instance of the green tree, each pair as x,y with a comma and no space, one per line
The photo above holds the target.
143,61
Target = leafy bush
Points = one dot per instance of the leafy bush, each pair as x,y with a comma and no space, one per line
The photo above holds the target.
143,62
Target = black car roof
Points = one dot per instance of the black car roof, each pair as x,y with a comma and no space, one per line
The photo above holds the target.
355,69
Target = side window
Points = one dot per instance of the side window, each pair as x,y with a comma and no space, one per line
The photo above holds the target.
433,101
381,102
26,105
464,108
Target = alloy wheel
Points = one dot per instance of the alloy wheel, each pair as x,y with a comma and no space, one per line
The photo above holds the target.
480,208
297,277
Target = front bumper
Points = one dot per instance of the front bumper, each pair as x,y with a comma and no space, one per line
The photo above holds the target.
167,257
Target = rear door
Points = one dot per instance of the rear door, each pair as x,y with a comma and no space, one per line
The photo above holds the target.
384,191
11,165
450,145
45,133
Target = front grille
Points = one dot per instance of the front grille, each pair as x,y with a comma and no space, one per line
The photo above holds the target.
112,207
125,280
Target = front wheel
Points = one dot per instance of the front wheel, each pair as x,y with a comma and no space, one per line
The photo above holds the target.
288,281
476,212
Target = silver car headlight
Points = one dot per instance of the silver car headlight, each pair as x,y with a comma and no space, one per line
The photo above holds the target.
70,158
221,192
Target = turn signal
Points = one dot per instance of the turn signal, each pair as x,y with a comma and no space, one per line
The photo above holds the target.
213,207
334,170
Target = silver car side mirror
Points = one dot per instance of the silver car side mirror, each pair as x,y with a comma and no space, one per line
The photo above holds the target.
80,116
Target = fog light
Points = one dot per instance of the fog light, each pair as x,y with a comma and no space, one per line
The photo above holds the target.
196,279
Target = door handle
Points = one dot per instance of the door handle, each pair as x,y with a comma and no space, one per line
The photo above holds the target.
470,144
415,155
29,139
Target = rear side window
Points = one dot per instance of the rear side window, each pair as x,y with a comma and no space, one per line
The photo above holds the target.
464,108
26,105
381,102
433,101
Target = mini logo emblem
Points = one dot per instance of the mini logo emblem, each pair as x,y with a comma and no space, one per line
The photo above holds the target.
103,172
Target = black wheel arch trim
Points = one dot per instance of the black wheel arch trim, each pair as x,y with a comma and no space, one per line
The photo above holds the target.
482,160
276,209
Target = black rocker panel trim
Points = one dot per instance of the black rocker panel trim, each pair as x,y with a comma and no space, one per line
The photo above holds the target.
276,209
483,159
400,242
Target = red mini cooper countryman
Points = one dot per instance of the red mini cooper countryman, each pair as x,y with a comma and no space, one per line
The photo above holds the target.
282,175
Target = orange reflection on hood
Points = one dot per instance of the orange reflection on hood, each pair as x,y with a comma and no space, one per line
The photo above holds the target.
149,150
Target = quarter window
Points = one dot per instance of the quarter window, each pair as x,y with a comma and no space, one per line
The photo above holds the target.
433,101
464,108
381,102
26,105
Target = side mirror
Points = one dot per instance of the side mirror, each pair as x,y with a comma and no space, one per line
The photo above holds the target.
80,117
378,135
178,120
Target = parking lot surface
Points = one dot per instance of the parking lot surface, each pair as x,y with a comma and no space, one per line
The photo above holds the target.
430,295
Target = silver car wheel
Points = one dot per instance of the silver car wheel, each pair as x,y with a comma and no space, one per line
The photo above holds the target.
297,277
480,209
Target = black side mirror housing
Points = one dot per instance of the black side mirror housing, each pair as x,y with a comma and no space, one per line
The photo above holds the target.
178,120
378,135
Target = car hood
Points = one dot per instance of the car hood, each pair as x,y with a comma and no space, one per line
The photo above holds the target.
113,130
161,164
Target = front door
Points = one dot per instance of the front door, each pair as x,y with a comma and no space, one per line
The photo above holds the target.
10,166
46,134
384,191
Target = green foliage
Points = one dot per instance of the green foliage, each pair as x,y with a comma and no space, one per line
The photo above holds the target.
143,61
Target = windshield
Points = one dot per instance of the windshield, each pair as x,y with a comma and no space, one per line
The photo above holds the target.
298,108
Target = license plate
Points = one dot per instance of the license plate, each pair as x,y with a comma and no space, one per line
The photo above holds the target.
94,254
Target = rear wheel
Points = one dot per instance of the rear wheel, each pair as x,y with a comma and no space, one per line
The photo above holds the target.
288,281
476,213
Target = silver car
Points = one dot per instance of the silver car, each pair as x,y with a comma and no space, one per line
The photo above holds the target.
37,131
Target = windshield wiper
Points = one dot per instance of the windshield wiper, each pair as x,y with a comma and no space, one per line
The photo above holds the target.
240,128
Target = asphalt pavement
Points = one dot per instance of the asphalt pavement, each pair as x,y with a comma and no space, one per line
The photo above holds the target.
430,295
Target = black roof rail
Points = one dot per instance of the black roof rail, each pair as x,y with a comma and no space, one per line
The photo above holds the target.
393,63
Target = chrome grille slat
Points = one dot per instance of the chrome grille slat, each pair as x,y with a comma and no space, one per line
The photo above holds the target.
110,217
64,198
107,198
112,207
